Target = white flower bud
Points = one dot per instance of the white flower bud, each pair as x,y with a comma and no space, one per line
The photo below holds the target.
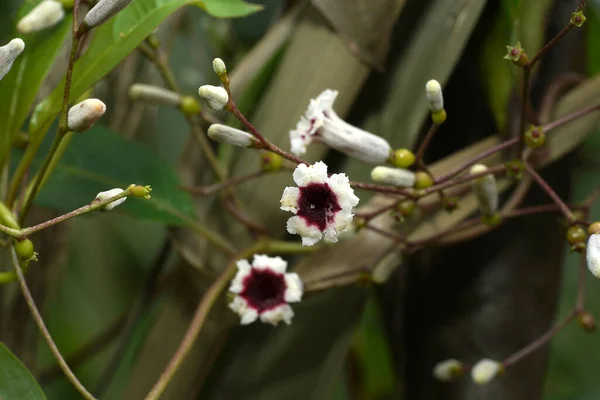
593,254
393,176
384,268
433,92
154,95
485,189
216,96
485,370
219,66
8,53
229,135
107,195
102,11
448,370
45,15
82,116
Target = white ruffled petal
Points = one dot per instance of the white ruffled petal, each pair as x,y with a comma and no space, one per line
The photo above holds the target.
289,199
305,175
294,288
280,313
275,264
310,234
340,185
247,314
237,284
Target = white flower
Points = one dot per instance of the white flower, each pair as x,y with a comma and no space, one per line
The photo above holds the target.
320,122
393,176
485,190
229,135
593,254
448,370
323,205
433,92
485,370
265,290
103,10
215,96
45,15
107,195
83,115
8,53
219,67
154,95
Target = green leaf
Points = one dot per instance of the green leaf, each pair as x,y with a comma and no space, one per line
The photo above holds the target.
19,88
101,160
229,8
16,382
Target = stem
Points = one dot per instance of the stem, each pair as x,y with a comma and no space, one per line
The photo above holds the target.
425,143
570,117
210,189
524,107
463,179
42,327
546,188
580,302
549,45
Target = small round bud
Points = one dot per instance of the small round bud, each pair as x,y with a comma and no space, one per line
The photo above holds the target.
594,227
226,134
140,191
393,176
485,370
104,10
25,249
438,117
219,67
448,370
189,105
535,137
577,18
102,196
8,53
576,234
517,55
215,96
271,162
423,180
514,169
433,92
406,207
586,321
402,158
45,15
83,115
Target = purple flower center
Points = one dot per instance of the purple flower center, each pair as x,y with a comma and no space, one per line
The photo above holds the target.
264,289
317,205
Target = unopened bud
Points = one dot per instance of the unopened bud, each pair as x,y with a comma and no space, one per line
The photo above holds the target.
154,95
8,53
215,96
393,176
577,18
229,135
517,55
535,137
486,370
593,254
25,250
402,158
140,191
594,227
586,321
102,11
45,15
189,105
271,162
423,180
448,370
83,115
102,196
433,91
219,67
485,190
384,268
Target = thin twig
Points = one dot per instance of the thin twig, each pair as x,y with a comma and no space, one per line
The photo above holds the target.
421,151
210,189
570,117
546,188
549,45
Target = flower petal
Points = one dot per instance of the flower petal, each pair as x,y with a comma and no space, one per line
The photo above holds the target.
289,199
295,288
316,173
310,234
275,264
237,284
247,314
275,315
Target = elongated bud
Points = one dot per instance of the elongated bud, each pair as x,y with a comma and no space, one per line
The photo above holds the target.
486,370
107,195
102,11
152,94
433,92
215,96
229,135
448,370
593,254
82,116
219,67
45,15
8,53
486,190
384,268
393,176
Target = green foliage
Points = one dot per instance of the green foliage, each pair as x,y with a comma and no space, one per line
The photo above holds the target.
229,8
16,382
100,160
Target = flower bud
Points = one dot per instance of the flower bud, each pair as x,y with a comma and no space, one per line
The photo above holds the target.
102,11
423,180
393,176
189,105
577,19
216,96
485,190
402,158
83,115
271,162
586,321
406,207
485,370
593,254
8,53
219,67
384,268
576,234
594,228
45,15
448,370
433,92
107,195
535,137
25,250
517,55
154,95
229,135
140,191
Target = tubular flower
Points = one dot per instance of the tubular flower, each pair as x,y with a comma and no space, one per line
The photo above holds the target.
8,53
107,195
45,15
448,370
393,176
323,205
104,10
265,290
593,254
320,122
485,370
485,190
